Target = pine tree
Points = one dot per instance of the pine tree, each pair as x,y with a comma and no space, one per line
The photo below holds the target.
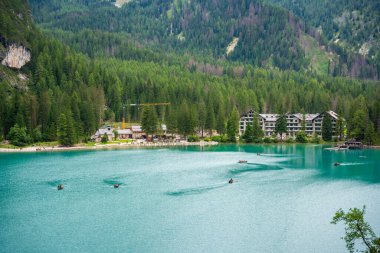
327,132
303,123
171,121
220,123
210,119
281,125
369,135
202,116
358,125
62,130
66,130
186,120
248,135
233,125
257,131
339,127
149,121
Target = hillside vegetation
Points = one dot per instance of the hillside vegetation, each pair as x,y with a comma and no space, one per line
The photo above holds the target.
70,93
269,36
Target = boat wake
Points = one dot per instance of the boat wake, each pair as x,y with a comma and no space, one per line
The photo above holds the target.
352,164
56,182
113,181
251,167
195,190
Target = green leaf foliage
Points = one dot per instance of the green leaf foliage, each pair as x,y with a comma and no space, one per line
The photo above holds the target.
356,228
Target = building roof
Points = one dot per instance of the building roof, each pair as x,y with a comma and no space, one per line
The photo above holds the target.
137,129
333,114
269,116
163,127
102,131
124,131
308,116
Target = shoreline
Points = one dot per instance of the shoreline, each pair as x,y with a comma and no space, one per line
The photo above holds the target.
100,146
105,146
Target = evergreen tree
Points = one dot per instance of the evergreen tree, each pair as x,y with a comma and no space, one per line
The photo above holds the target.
339,127
220,123
210,120
369,135
281,125
149,121
358,125
186,120
258,132
233,125
303,123
248,135
62,130
202,116
327,131
66,130
171,122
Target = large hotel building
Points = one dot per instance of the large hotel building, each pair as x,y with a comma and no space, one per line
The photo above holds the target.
313,122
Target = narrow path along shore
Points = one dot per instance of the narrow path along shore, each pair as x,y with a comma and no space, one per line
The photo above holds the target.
105,146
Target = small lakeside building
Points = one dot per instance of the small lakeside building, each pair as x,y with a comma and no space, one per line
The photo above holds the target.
135,133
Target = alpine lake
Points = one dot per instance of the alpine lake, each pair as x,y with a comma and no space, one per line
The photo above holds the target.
179,199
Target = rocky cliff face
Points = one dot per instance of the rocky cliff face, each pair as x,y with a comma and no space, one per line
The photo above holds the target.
16,56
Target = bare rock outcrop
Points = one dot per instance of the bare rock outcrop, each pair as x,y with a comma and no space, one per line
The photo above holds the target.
16,56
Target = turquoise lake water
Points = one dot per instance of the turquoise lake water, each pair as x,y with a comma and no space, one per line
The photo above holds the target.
178,199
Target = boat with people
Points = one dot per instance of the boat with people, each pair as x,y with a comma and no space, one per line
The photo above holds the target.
243,161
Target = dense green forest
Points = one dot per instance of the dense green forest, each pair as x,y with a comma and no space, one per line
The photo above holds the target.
70,94
268,36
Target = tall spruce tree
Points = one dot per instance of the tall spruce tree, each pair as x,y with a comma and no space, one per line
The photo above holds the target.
257,131
210,120
233,125
358,125
281,125
202,117
248,135
327,131
66,130
339,127
149,121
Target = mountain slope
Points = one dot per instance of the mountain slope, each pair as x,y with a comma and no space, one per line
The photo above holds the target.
268,36
351,24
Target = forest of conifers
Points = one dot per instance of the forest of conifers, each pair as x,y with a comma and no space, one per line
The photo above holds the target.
78,89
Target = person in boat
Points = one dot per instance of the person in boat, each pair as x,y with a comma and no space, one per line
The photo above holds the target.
60,187
231,181
116,186
336,164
